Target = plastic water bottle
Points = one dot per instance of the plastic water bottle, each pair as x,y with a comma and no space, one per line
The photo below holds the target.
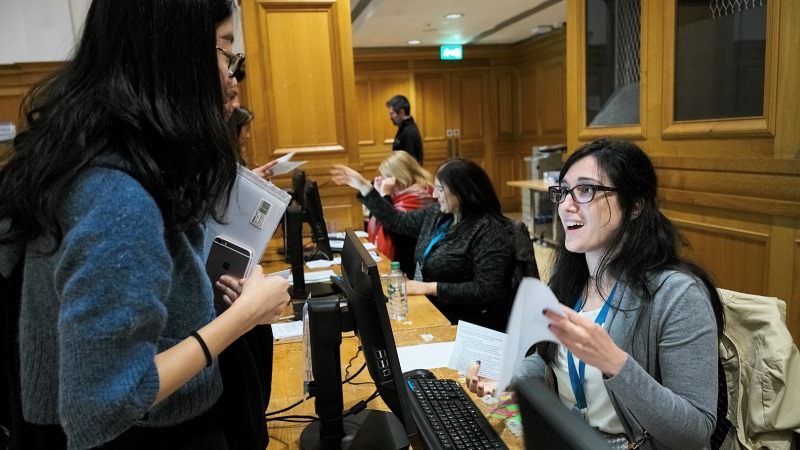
398,298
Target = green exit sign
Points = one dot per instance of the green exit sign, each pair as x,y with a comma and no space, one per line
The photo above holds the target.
451,52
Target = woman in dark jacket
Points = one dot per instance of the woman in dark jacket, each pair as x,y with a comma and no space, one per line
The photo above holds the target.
464,254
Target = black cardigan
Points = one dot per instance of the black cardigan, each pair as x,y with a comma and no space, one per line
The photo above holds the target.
472,264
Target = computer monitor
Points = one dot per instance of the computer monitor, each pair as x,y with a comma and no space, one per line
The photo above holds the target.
363,311
295,217
298,188
316,220
299,200
547,423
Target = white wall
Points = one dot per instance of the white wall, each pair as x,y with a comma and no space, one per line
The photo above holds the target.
37,30
47,30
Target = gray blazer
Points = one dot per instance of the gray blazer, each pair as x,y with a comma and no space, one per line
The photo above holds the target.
668,386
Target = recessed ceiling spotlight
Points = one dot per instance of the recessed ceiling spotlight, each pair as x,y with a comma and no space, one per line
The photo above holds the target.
454,16
414,42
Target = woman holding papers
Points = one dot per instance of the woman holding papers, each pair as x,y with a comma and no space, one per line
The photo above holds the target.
408,186
125,154
639,327
464,255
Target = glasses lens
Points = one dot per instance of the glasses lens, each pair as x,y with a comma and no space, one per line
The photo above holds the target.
557,194
235,63
584,193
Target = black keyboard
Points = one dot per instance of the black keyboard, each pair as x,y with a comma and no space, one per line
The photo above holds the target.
447,418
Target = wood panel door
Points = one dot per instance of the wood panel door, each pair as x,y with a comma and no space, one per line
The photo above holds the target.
301,87
453,116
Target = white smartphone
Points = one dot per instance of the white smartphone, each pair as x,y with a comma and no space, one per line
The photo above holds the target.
226,258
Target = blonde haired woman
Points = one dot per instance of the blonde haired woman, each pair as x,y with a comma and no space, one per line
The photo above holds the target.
408,186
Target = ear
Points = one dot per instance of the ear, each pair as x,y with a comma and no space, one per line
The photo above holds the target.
637,209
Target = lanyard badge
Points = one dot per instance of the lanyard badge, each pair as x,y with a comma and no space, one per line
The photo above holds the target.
576,376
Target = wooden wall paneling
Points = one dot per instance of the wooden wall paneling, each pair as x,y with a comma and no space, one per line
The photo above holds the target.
787,132
301,86
365,112
744,267
15,82
552,109
528,97
468,113
793,302
503,100
373,90
432,94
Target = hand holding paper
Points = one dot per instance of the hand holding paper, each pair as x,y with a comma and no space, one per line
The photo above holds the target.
286,165
527,325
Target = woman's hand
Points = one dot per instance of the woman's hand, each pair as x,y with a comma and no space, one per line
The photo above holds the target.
420,287
230,288
263,298
387,186
265,171
344,175
588,341
481,386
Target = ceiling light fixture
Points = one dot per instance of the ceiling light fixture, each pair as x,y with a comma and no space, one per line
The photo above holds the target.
414,42
453,16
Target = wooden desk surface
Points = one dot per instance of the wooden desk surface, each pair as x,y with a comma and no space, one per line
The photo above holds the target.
287,385
536,185
421,312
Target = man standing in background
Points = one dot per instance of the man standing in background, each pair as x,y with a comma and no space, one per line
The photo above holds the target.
407,138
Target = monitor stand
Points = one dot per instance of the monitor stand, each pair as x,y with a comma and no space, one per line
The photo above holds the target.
370,429
295,250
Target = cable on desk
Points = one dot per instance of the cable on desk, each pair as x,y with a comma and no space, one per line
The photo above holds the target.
297,403
350,363
294,405
355,409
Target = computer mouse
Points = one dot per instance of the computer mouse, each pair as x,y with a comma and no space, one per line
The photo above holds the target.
419,373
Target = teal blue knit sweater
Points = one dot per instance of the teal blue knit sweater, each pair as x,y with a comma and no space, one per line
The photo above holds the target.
117,291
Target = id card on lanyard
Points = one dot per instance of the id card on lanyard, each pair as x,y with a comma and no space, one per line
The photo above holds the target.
441,230
576,376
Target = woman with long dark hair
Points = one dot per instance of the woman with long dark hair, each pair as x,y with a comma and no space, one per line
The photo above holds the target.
124,155
638,358
464,253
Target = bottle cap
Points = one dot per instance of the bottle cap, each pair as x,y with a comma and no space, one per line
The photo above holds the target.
395,265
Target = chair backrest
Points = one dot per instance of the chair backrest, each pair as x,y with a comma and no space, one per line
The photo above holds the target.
762,373
525,265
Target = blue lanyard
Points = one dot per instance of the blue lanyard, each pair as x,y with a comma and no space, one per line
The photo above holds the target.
440,232
575,378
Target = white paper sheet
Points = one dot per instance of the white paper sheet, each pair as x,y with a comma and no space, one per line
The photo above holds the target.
315,277
285,165
527,325
281,273
476,343
322,263
340,235
285,330
425,356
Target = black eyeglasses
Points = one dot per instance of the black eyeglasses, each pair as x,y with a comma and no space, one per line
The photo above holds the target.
582,193
235,64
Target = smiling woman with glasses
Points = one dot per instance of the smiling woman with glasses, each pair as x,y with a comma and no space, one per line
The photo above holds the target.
582,193
638,325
